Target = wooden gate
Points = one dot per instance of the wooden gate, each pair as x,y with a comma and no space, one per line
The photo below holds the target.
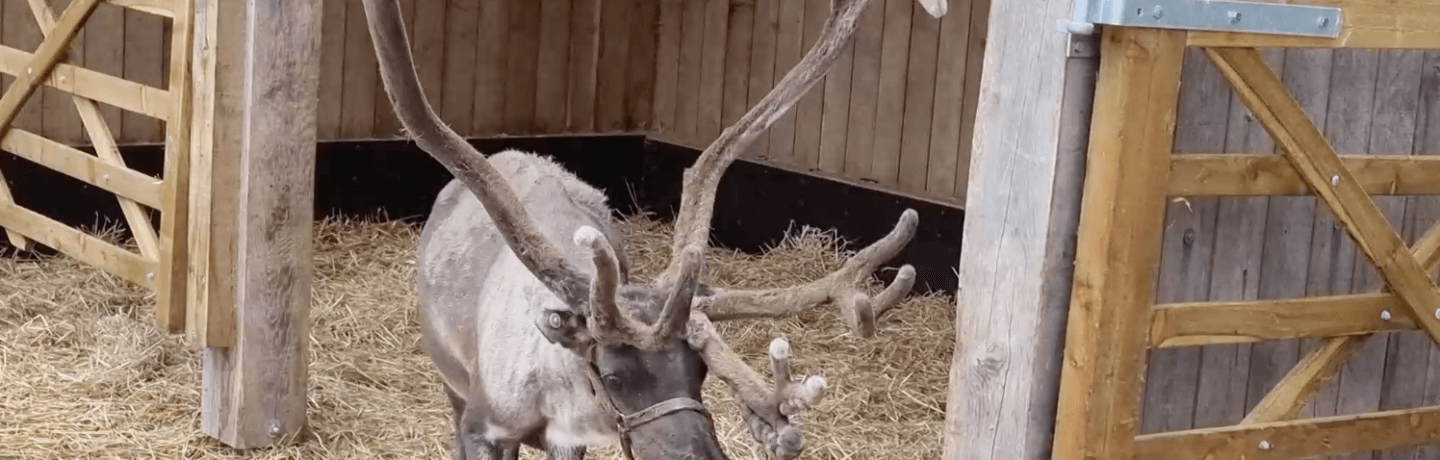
160,263
1131,172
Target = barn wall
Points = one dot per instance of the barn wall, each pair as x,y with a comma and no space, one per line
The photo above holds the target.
895,111
1248,248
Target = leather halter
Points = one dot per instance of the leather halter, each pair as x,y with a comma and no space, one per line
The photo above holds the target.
626,422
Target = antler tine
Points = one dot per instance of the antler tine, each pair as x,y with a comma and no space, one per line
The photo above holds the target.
841,287
697,202
769,413
608,323
402,85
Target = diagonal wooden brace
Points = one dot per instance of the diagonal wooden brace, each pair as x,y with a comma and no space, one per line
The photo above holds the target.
46,56
1315,160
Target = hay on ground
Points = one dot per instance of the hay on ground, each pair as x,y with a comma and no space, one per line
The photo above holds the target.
85,374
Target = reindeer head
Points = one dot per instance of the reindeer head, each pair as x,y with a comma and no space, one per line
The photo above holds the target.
651,346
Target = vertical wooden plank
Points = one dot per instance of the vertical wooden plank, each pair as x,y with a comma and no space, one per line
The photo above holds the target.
174,221
979,30
810,109
787,53
457,96
914,153
215,197
616,19
1004,374
1352,103
1181,391
667,68
687,84
738,38
427,42
864,90
949,100
491,82
835,119
361,78
20,32
255,392
1291,222
1310,83
1240,262
762,65
61,120
332,69
640,73
1394,129
890,112
712,71
1121,225
1426,210
552,65
105,52
523,43
387,124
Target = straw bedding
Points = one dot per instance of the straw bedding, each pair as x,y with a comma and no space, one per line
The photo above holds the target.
85,374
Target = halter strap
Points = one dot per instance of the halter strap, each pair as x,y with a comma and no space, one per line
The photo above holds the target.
623,422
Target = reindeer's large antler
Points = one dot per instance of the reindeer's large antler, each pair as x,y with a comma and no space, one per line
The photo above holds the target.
402,85
842,287
767,413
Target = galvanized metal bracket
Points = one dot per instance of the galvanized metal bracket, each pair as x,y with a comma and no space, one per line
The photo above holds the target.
1214,15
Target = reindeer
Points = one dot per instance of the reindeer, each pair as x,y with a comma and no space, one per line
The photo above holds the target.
528,311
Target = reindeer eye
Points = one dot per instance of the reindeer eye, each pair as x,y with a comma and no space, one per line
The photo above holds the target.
613,381
555,321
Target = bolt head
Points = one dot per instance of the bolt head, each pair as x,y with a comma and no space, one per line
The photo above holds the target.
1234,16
1157,12
1323,22
1385,315
1264,445
1334,180
1437,313
150,276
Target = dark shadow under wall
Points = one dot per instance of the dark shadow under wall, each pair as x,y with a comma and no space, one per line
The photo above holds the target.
754,207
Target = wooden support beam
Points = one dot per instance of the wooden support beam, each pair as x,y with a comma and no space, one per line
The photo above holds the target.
254,393
1316,161
1304,438
1118,250
1023,208
1365,24
1269,174
218,80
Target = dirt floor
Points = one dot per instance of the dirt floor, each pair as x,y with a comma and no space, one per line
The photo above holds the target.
85,374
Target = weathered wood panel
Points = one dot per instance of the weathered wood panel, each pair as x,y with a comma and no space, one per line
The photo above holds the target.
893,112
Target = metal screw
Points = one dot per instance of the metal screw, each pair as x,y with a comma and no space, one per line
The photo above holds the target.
1437,313
150,276
104,177
1158,12
1323,22
1385,315
1234,17
1264,445
275,428
1334,180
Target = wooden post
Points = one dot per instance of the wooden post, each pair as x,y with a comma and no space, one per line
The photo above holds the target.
1022,210
254,392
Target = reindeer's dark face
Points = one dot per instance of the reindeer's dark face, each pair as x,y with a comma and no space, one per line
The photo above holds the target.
638,378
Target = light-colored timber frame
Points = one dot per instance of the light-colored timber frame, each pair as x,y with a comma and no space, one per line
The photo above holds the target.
1131,172
161,262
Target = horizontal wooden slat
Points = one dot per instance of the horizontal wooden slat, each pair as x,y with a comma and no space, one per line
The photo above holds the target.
83,166
116,91
1297,438
163,8
79,245
1365,24
1208,323
1264,174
